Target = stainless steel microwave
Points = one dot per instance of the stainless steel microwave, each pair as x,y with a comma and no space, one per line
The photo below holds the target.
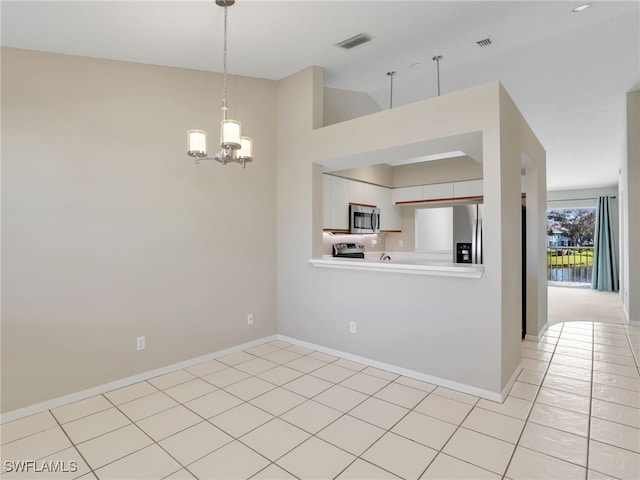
363,219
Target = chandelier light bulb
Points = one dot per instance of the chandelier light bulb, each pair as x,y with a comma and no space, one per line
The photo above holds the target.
230,134
246,148
197,141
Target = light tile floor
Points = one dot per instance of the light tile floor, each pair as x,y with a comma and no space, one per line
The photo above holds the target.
280,411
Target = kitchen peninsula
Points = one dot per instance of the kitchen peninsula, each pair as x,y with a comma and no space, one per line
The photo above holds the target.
401,263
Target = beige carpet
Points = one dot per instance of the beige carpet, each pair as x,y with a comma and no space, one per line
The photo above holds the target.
568,304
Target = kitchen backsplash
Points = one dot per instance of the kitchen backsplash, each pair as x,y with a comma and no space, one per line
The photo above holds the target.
373,242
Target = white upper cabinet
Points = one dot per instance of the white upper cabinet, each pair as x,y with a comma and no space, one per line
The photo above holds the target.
390,214
437,190
357,191
407,194
338,208
339,192
470,188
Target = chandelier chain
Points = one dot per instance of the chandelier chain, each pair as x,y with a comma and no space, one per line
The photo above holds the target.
225,107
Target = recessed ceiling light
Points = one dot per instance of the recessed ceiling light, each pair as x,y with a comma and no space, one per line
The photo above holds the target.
582,7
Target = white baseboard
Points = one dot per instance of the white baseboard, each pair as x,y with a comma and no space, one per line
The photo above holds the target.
125,382
512,380
534,338
635,323
461,387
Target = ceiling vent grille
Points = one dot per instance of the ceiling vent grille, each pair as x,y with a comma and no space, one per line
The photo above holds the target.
354,41
485,42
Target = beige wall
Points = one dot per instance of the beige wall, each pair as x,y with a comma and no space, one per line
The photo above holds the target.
437,171
109,231
380,174
629,191
342,105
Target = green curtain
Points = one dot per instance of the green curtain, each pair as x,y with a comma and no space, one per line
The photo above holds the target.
605,265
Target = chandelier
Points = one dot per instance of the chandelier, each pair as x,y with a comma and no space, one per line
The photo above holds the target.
233,147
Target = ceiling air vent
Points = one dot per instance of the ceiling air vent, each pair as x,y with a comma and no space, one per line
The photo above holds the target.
354,41
485,42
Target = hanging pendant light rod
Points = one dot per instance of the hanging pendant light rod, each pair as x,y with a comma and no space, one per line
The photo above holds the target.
437,59
234,148
225,108
391,75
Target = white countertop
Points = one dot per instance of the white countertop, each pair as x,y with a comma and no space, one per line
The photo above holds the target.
405,263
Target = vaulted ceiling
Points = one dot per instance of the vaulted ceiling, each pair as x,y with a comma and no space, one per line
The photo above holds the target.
568,72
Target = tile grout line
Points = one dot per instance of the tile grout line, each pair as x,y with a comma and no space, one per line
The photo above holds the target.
196,413
237,439
74,445
176,433
369,396
359,457
312,435
343,414
441,450
633,352
533,403
153,441
591,398
275,416
593,353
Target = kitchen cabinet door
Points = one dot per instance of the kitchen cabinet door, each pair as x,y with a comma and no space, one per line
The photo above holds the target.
437,191
469,188
357,192
389,212
407,194
340,203
391,216
335,203
376,195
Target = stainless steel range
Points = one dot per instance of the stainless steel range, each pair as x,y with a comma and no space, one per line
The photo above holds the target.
348,250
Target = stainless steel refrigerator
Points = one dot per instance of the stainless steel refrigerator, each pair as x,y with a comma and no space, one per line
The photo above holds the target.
467,233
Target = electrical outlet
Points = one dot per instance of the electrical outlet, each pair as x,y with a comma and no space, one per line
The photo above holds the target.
141,343
401,243
352,327
250,319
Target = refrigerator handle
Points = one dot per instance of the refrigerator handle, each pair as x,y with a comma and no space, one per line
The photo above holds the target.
474,242
480,246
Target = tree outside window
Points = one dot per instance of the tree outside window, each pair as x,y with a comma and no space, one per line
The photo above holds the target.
572,227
